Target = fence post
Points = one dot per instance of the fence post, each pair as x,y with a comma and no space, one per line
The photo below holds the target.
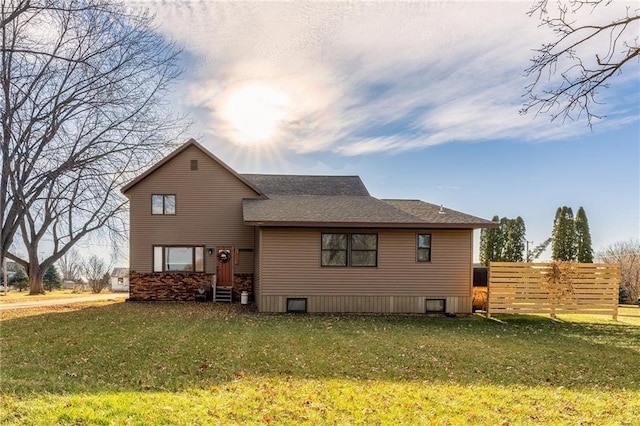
489,292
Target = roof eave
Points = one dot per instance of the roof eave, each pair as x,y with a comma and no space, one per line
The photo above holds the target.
419,225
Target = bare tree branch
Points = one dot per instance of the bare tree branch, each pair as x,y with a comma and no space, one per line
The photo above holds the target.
568,72
83,111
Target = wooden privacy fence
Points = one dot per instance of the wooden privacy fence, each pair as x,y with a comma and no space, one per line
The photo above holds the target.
553,288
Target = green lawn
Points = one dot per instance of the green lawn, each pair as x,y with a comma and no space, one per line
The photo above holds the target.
155,363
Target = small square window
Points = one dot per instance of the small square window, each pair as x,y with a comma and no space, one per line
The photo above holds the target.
297,305
163,204
194,164
434,306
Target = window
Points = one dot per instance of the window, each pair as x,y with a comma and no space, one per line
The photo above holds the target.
163,204
349,250
334,250
120,280
424,247
298,304
194,164
434,306
364,249
178,259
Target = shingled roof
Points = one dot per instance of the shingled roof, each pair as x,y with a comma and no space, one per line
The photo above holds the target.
353,211
308,185
432,213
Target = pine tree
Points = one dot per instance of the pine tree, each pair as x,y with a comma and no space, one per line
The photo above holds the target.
583,238
564,235
519,239
505,243
52,278
491,244
514,239
19,279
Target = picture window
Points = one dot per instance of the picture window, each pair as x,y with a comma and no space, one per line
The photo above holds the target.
178,259
355,250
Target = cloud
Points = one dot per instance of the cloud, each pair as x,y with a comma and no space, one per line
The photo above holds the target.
366,77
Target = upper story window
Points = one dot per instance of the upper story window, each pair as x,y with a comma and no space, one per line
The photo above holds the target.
349,250
163,204
424,248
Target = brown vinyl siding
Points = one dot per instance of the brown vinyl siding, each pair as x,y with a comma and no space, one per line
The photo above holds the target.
365,304
245,264
290,267
208,211
257,267
291,264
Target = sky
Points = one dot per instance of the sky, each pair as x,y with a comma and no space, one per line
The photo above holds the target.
420,99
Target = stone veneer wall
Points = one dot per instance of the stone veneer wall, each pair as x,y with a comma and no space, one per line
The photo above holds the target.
242,282
167,286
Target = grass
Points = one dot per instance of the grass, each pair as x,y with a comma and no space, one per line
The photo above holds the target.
138,363
15,296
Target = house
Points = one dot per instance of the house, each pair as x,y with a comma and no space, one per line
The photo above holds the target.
295,243
120,279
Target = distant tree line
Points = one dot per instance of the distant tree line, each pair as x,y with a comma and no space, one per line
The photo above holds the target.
73,268
627,255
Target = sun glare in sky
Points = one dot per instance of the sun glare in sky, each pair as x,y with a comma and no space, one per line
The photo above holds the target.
254,113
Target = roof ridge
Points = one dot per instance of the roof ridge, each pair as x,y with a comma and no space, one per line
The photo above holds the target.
297,175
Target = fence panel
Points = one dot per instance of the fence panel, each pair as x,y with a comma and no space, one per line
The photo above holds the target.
553,288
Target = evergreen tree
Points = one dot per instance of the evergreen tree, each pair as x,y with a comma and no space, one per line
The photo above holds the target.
564,235
514,240
583,238
52,278
19,279
491,244
503,244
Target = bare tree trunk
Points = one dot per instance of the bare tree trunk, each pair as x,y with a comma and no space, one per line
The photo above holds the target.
35,280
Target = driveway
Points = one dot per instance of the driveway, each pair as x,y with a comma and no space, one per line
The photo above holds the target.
55,302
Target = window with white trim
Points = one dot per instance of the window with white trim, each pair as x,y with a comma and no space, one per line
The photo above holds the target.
178,259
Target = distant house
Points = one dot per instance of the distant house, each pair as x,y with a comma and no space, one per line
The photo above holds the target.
120,279
296,243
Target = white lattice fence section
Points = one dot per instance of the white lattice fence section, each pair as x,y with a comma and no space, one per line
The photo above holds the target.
553,288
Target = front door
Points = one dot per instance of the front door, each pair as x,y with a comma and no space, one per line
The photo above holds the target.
224,266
